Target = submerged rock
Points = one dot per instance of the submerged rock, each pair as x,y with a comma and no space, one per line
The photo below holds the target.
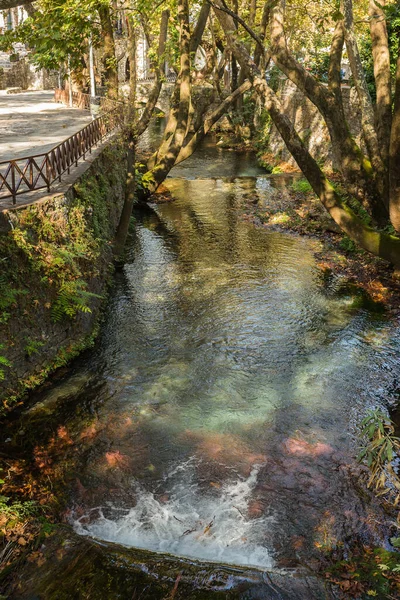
70,567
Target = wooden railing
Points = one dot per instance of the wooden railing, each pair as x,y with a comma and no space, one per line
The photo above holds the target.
22,175
40,171
84,101
79,100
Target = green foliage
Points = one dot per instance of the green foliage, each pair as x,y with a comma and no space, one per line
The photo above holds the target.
17,510
92,195
370,573
32,346
72,298
245,115
354,204
274,77
46,528
319,65
347,245
140,169
302,186
380,449
263,133
3,362
8,297
365,45
61,247
393,25
58,32
146,180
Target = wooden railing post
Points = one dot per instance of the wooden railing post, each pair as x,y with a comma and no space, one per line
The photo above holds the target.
14,191
48,172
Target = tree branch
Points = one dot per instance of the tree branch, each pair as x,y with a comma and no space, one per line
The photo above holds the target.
200,27
335,60
239,20
5,4
159,68
210,120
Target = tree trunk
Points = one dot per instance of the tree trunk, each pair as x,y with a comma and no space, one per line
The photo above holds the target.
109,60
173,116
381,57
263,30
394,154
210,120
123,225
383,245
367,111
200,27
355,168
178,130
159,68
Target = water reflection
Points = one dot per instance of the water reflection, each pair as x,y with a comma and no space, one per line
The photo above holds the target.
233,378
215,419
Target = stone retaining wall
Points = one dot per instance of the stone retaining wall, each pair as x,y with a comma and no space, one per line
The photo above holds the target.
311,126
56,256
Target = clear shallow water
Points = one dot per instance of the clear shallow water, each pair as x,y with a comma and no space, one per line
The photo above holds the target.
220,405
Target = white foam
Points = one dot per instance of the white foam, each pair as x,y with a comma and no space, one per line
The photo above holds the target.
211,526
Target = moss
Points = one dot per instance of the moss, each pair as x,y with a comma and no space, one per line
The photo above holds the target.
68,566
64,356
55,268
302,186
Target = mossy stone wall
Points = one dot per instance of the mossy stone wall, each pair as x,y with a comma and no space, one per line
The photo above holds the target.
56,265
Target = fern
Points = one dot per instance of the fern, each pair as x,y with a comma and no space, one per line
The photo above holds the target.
8,296
72,298
4,362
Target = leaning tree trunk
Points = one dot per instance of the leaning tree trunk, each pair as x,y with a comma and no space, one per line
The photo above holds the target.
367,109
165,162
173,117
379,244
394,155
354,166
130,134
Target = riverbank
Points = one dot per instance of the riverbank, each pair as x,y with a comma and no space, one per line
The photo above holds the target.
297,209
57,269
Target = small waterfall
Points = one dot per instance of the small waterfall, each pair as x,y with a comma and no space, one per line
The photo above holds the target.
187,521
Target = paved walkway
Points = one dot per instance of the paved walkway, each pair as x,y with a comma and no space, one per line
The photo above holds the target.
32,123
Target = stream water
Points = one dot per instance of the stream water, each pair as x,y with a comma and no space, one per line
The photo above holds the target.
218,411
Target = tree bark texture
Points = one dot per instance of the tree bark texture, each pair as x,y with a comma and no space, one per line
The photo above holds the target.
394,154
108,58
381,58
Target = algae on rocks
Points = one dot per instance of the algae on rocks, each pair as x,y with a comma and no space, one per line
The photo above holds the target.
68,566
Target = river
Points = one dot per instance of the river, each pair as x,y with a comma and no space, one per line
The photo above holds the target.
217,415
